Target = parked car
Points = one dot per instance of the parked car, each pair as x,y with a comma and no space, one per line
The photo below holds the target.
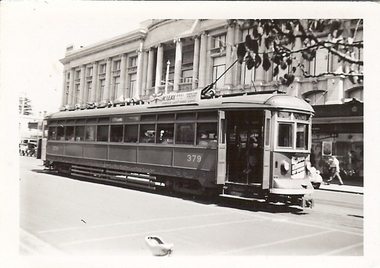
27,147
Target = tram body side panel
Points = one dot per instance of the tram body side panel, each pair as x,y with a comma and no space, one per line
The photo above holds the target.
193,163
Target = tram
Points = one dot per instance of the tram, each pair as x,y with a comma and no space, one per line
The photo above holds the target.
253,146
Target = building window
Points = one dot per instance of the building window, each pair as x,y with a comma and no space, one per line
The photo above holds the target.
102,88
247,76
89,89
220,41
116,65
132,62
217,70
89,71
102,69
77,74
116,83
132,83
321,63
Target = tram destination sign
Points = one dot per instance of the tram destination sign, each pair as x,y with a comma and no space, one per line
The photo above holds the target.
180,98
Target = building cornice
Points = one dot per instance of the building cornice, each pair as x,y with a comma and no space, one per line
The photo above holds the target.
104,45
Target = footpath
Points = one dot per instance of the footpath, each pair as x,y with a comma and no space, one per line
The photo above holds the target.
354,185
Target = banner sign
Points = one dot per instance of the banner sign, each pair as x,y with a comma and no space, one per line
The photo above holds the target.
180,98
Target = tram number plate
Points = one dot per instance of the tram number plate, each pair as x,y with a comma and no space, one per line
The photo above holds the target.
194,158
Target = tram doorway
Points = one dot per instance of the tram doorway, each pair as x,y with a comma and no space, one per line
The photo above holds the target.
244,146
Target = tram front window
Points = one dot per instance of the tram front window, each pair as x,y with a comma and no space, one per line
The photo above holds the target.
302,136
285,135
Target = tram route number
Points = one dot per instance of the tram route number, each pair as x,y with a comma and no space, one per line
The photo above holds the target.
194,158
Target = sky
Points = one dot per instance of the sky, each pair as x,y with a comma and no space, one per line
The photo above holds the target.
35,35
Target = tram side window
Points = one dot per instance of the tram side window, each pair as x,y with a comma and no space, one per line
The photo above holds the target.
90,133
79,133
302,136
285,135
61,133
102,133
185,133
165,133
69,136
117,133
207,134
147,133
52,134
131,133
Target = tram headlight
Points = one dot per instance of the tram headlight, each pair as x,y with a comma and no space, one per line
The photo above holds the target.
285,166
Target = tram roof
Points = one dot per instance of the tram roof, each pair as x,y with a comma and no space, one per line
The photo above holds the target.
253,101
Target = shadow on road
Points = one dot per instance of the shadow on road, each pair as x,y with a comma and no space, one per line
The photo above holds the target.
254,206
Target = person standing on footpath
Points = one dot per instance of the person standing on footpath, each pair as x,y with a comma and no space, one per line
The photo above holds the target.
334,169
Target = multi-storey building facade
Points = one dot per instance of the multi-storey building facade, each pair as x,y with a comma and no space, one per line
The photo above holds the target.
184,55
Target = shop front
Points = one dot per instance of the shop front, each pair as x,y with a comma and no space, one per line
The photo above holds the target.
338,130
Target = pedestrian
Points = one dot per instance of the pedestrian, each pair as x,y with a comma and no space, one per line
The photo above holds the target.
334,170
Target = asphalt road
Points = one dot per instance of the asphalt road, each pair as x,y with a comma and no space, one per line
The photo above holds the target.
60,216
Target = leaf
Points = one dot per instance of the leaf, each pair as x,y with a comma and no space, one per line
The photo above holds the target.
283,65
257,60
275,71
289,80
249,62
289,61
241,51
266,62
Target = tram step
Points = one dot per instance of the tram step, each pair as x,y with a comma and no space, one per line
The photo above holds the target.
242,197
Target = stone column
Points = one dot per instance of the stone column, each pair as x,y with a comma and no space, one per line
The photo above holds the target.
71,88
106,95
209,62
82,87
229,54
95,77
203,61
65,93
123,64
160,58
144,73
177,64
196,63
140,55
237,68
149,79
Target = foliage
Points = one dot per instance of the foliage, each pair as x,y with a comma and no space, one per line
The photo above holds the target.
281,43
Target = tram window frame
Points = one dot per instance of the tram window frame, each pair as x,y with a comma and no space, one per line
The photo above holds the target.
90,131
130,130
145,131
207,134
52,133
69,133
304,138
167,137
102,133
289,134
79,133
116,133
184,136
60,133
